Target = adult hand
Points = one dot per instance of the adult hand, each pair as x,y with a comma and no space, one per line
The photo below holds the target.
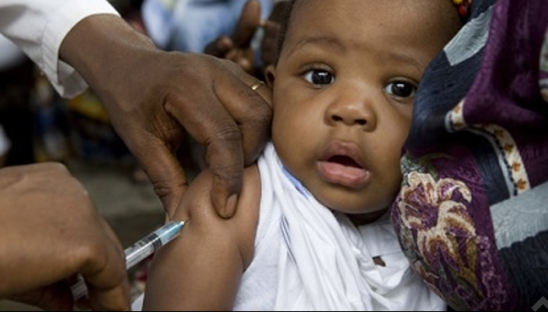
50,231
238,47
153,96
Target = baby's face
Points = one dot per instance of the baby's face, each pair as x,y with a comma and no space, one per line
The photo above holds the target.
343,91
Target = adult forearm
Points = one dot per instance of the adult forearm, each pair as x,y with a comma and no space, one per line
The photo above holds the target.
104,49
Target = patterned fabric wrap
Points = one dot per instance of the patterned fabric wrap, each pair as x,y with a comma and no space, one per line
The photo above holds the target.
472,215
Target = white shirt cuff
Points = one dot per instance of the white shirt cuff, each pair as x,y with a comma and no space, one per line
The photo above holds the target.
59,23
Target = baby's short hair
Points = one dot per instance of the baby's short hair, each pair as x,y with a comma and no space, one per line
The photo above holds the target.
463,9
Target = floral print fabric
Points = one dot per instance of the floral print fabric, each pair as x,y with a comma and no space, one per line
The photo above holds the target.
479,141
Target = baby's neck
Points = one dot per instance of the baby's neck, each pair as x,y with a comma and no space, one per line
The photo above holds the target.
364,219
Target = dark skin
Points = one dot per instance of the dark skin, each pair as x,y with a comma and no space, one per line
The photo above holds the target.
362,107
48,219
154,99
166,95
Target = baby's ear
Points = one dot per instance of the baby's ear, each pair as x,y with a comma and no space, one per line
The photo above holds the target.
270,75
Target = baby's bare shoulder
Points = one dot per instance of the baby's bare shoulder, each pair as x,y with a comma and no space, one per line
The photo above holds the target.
197,208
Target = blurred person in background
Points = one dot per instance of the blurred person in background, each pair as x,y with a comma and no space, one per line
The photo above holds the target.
253,44
191,26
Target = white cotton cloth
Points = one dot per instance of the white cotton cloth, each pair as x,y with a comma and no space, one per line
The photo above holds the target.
309,258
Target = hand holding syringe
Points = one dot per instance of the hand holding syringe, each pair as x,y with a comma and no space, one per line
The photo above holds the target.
139,251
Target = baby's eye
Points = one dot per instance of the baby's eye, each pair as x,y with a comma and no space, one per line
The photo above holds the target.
401,89
319,77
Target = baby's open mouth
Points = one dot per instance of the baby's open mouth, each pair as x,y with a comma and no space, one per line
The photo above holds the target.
342,165
345,161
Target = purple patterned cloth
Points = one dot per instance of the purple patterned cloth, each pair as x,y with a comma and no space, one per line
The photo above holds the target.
472,215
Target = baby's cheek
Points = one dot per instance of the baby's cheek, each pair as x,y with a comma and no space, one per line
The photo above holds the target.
392,175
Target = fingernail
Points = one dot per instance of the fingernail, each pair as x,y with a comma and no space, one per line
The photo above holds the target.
231,206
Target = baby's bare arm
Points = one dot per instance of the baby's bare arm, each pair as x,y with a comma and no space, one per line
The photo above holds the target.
201,270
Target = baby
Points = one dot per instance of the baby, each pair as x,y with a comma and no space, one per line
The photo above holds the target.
311,230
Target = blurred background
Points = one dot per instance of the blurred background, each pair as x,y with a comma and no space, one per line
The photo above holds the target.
36,125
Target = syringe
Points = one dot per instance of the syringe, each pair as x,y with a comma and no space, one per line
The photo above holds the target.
141,250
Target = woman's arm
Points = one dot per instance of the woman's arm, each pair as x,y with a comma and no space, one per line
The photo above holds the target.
202,269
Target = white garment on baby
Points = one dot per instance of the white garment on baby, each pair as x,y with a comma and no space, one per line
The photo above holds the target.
309,258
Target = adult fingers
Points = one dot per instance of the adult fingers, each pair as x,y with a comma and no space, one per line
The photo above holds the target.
164,170
105,276
220,47
247,25
55,297
112,299
244,59
249,102
211,125
252,112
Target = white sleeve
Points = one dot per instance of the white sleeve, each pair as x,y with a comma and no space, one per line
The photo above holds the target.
38,27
